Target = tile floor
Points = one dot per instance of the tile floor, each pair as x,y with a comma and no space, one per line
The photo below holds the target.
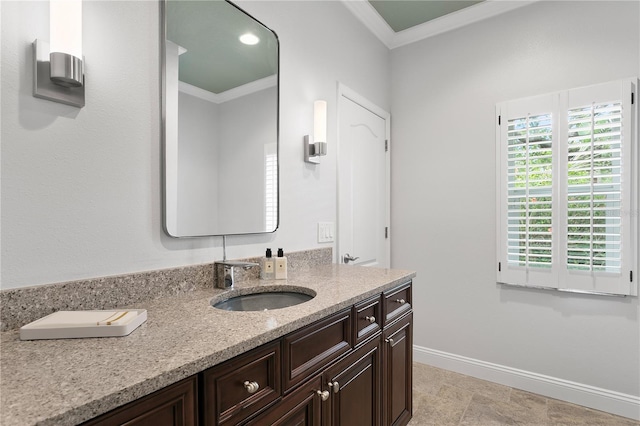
443,398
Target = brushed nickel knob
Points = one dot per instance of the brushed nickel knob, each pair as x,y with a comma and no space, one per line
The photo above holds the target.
401,301
335,386
370,319
323,394
389,340
251,387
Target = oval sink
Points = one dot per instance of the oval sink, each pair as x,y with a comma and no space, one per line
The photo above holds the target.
262,301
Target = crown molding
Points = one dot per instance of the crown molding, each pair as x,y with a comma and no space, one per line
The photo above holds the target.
366,13
238,92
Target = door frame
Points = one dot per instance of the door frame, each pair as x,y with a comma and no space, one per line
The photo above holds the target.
344,92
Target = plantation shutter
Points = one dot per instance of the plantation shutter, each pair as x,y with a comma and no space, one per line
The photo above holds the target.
528,138
567,190
600,237
270,187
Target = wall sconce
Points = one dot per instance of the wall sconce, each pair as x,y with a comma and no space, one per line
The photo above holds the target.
58,67
313,151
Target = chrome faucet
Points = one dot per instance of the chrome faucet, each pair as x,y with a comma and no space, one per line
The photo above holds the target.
224,271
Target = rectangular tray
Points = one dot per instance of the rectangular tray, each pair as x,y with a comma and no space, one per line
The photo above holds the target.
78,325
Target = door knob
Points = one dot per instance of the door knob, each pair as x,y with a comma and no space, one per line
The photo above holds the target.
348,258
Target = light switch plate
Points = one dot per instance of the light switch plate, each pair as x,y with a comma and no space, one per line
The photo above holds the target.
326,231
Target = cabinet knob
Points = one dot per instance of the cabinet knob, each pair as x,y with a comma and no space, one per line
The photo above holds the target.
335,386
370,319
389,340
323,394
401,301
251,387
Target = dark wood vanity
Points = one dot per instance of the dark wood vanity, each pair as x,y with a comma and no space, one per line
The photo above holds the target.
351,368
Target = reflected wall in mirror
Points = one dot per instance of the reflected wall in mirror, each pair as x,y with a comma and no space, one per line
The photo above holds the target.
220,118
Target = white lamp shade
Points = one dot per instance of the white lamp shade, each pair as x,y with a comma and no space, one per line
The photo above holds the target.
320,121
65,27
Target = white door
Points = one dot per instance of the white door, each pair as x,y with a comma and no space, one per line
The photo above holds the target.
363,181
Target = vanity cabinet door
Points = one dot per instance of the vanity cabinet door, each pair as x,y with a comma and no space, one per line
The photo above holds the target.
398,371
354,388
174,405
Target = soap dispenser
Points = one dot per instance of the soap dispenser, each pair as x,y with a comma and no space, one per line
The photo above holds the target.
268,266
281,266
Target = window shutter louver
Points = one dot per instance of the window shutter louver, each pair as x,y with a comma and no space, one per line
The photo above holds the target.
271,187
566,202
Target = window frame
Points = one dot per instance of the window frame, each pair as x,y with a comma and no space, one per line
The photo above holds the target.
558,275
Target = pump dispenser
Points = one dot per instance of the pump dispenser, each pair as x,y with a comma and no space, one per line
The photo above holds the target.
281,266
267,267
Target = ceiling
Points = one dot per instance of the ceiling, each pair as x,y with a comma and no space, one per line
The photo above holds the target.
214,59
403,14
400,22
209,30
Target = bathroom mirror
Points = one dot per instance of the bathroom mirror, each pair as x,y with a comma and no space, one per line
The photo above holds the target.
220,120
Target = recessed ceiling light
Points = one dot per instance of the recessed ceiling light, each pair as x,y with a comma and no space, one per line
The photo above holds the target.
249,39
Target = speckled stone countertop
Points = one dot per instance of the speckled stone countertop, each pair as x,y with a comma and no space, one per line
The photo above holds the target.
65,382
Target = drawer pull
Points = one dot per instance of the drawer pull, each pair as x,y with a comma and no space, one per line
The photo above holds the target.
401,301
335,386
370,319
390,340
251,387
323,394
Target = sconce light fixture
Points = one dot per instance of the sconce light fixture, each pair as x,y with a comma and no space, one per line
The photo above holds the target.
313,151
58,65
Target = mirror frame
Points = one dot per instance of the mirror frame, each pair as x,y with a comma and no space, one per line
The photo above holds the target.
163,112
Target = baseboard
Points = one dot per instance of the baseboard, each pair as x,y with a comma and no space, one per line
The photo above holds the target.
577,393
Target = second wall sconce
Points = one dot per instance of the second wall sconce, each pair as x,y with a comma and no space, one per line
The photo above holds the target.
58,66
314,150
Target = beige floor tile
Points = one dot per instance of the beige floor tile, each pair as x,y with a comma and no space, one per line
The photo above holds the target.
489,412
427,379
565,414
531,401
480,387
444,409
446,398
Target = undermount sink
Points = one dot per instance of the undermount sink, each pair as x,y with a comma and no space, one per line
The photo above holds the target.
263,301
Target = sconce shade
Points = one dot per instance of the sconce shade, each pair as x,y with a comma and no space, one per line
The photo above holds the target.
318,148
65,27
58,69
65,35
320,121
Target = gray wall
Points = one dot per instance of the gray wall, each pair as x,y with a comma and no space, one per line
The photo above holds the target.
197,177
81,193
444,92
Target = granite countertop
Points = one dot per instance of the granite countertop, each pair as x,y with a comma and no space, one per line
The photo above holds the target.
65,382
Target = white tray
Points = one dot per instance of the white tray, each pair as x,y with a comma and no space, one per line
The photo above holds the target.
79,324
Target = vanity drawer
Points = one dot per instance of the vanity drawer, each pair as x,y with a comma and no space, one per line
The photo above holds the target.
241,387
368,319
396,302
313,347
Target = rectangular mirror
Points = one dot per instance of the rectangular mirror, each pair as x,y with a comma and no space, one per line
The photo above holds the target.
220,120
